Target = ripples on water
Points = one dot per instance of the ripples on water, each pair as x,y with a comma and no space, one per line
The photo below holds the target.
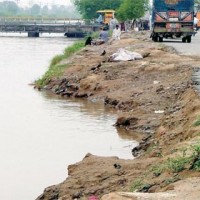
41,134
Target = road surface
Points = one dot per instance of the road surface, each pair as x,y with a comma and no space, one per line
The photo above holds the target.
185,48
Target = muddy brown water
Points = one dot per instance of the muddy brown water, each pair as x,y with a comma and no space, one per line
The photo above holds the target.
42,134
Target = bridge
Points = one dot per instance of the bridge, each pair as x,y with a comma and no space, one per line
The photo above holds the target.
69,27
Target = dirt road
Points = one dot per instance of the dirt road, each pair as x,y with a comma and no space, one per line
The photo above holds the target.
185,48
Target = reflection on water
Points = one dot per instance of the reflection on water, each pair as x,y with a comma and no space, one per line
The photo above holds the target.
41,134
96,110
129,135
94,123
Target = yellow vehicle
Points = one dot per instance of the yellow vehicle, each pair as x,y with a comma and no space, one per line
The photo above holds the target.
107,15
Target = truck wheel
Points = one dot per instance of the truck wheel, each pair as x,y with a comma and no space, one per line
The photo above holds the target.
184,39
189,38
160,39
155,38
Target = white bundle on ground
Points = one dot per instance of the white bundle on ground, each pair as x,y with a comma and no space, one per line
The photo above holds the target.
124,55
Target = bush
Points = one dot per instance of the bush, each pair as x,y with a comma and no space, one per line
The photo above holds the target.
158,169
177,164
136,185
195,157
197,122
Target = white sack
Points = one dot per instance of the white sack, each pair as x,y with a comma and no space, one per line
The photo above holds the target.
125,55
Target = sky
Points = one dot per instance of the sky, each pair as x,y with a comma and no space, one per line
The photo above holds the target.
25,3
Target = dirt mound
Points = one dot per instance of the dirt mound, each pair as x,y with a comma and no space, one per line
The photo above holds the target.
185,189
155,98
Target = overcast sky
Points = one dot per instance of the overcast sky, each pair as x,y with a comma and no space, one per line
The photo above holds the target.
42,2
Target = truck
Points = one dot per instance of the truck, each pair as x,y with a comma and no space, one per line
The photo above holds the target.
172,19
198,17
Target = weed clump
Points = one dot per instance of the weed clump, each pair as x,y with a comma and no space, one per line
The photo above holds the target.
190,159
56,69
136,185
197,122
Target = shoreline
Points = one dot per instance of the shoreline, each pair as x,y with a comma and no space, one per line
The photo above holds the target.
153,97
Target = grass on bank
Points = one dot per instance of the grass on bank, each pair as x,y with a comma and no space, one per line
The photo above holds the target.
137,184
56,69
189,160
179,163
197,122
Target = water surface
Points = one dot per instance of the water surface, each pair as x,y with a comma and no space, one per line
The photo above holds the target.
42,134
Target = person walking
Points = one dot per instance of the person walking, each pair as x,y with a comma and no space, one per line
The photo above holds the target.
100,19
113,22
116,33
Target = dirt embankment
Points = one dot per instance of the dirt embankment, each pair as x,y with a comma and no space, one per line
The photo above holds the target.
156,98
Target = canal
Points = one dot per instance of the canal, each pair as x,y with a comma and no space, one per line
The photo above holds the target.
41,134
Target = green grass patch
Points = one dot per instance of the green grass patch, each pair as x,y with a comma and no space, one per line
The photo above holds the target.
171,180
94,35
158,169
57,59
177,164
139,186
136,185
173,165
195,157
151,148
74,48
55,69
190,159
197,122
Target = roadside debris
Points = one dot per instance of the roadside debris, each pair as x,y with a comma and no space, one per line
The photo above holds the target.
93,198
103,53
159,111
96,67
156,82
124,55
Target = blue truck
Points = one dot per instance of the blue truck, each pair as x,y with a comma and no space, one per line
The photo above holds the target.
172,19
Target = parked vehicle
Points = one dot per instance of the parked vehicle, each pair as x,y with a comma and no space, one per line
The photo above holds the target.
172,19
198,17
107,15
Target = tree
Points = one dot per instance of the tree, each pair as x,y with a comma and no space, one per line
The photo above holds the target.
45,11
35,10
88,8
71,12
54,10
8,8
197,5
132,9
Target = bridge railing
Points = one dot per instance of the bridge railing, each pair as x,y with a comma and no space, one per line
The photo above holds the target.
61,21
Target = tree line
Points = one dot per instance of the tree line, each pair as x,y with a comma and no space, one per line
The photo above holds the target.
10,8
125,9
